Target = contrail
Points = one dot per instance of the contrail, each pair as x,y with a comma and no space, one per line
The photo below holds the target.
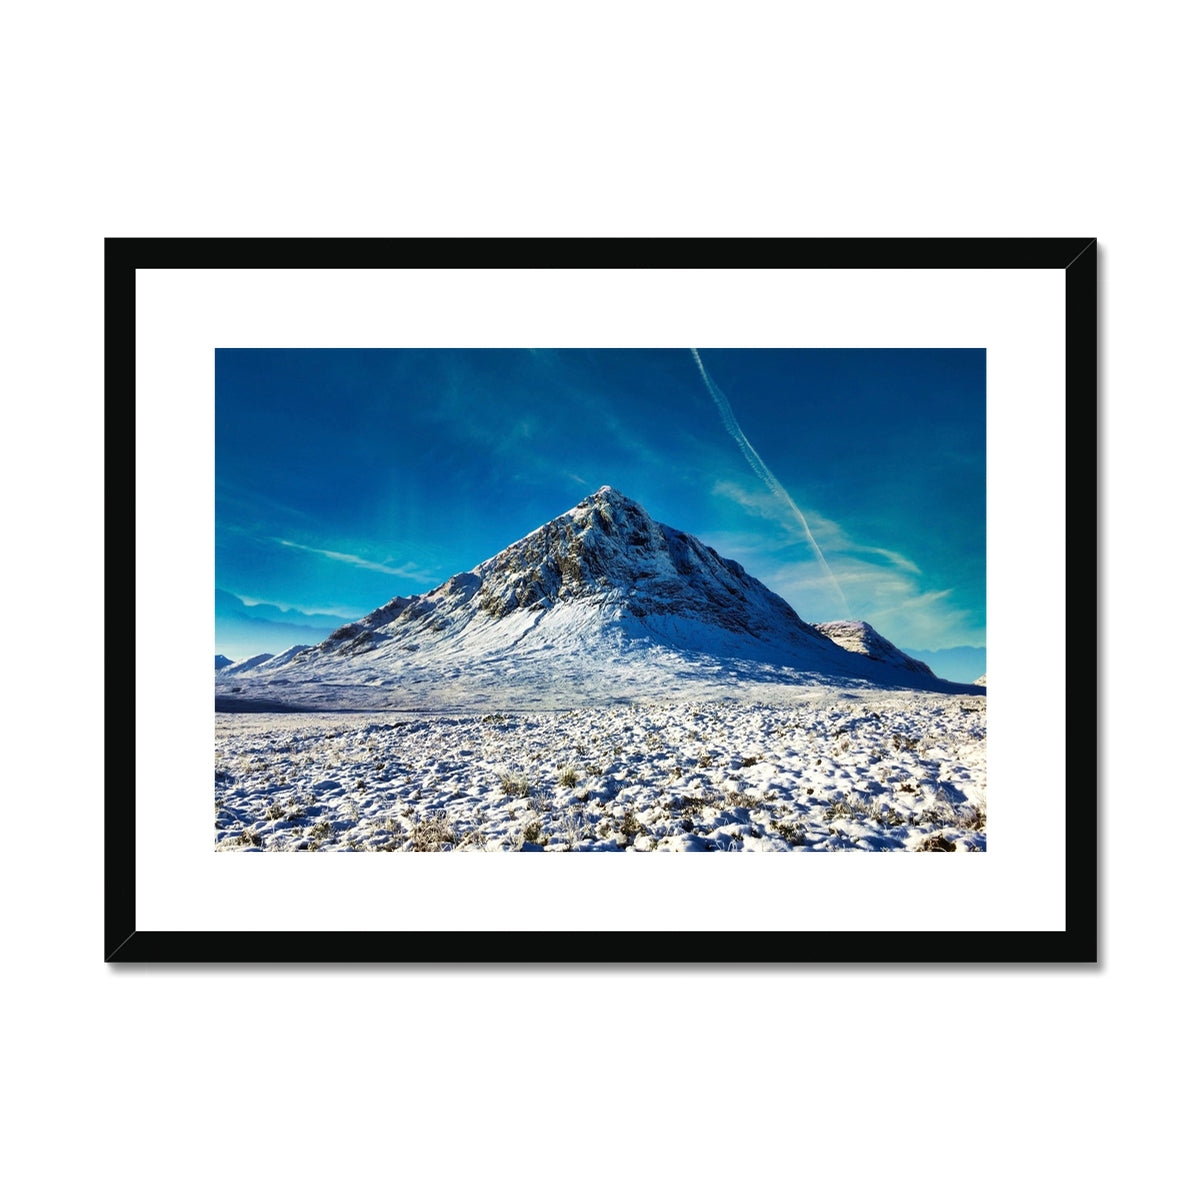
761,469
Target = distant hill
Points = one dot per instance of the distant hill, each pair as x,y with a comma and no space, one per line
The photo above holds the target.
862,639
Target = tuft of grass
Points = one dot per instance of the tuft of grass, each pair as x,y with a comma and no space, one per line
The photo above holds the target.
849,806
568,776
889,817
972,817
515,783
575,827
936,843
792,832
630,826
695,805
318,833
474,838
937,812
432,834
532,832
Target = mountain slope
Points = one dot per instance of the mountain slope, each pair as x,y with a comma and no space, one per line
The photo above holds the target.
600,604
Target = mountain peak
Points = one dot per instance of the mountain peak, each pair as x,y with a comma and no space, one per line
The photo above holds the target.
609,552
607,494
607,500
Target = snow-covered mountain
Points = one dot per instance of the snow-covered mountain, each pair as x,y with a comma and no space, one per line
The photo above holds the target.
600,604
862,639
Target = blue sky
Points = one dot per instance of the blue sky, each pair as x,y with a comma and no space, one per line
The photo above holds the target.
346,477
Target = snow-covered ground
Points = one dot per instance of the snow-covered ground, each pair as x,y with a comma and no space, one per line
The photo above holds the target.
884,770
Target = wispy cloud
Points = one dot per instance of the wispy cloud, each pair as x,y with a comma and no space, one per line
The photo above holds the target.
834,538
925,599
244,508
756,505
409,570
764,473
894,557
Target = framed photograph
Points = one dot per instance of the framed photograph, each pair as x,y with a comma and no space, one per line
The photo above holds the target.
596,550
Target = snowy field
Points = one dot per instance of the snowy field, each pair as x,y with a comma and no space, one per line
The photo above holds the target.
876,771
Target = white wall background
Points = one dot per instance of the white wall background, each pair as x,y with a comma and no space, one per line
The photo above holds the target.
643,119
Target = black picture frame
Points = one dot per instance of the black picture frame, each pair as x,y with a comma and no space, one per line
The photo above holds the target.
1077,942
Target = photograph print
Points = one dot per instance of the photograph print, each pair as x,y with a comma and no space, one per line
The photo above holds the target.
564,600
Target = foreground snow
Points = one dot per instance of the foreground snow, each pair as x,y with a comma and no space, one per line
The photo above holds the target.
885,771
